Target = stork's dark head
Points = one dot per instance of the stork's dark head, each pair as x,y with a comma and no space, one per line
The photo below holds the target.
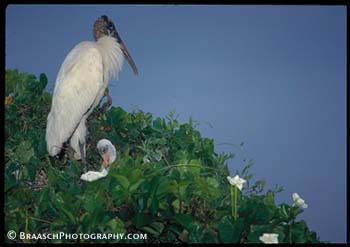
105,27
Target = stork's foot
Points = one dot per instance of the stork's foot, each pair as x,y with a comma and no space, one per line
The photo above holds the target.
109,100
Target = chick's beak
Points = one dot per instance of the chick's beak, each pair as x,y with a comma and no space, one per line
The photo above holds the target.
105,158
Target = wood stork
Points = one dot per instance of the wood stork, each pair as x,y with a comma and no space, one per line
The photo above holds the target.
108,153
80,85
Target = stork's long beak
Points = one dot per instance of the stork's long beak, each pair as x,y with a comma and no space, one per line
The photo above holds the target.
125,52
128,57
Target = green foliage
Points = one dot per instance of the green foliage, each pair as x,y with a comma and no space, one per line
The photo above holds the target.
167,180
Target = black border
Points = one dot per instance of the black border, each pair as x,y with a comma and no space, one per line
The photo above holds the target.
5,3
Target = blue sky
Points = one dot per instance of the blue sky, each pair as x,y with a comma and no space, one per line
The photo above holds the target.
273,77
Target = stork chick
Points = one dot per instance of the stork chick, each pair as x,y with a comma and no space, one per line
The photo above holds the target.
108,153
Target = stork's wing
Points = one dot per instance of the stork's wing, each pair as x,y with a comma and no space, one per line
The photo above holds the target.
79,85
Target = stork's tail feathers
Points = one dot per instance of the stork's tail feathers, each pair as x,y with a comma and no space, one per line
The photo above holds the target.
53,143
53,149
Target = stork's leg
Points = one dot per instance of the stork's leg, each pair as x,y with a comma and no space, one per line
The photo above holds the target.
109,99
82,151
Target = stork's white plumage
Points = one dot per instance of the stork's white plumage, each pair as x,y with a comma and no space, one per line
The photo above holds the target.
80,85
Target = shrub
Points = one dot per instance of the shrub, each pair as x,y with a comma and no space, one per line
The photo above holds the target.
167,180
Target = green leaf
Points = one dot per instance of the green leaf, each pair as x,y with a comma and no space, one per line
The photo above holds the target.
116,225
123,181
280,230
136,175
256,231
166,187
157,124
230,230
156,228
142,219
263,214
269,199
297,231
176,204
184,219
92,201
283,212
209,236
24,151
154,205
134,186
212,182
157,155
196,233
68,214
43,81
182,187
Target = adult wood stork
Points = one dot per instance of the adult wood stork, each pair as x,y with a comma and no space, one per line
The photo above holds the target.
108,153
80,85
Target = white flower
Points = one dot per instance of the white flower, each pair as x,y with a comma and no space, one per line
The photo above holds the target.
236,181
298,201
269,238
